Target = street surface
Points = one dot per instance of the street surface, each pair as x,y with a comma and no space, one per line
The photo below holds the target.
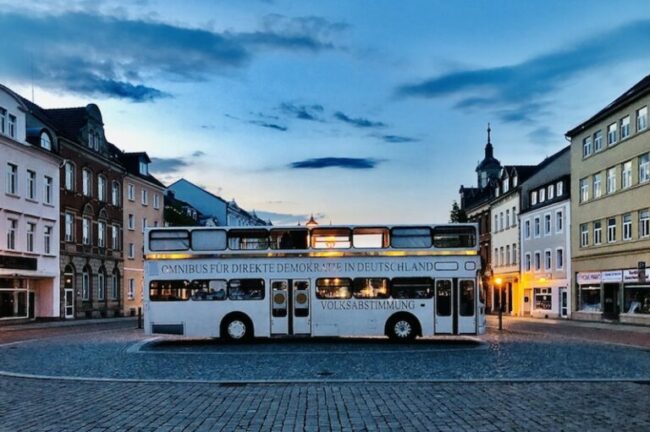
534,376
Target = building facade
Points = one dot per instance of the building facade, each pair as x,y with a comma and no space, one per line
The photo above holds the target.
143,207
29,213
545,240
610,210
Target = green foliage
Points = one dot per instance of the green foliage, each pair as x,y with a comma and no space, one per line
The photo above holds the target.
457,214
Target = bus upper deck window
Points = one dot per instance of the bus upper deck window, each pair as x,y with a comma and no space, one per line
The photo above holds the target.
370,238
289,238
331,238
454,237
169,240
208,239
248,239
410,237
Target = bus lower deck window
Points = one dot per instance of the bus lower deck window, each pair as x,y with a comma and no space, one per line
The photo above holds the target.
333,288
246,289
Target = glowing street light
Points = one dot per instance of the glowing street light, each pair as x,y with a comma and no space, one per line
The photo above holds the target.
498,281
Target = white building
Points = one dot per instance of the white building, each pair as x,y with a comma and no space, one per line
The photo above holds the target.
545,240
29,213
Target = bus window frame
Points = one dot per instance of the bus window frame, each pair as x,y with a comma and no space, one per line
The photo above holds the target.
233,232
189,240
317,286
430,281
426,228
186,287
315,234
285,230
385,237
193,232
450,231
385,279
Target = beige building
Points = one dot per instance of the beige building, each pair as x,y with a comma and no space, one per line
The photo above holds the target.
610,189
143,207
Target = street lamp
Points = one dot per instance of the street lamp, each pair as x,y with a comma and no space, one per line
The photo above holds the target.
498,281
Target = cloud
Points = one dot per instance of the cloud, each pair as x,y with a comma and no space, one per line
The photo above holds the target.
93,54
302,112
543,136
269,125
397,139
358,122
198,153
167,165
335,162
511,89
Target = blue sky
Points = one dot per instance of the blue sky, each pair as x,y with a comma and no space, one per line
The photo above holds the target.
356,111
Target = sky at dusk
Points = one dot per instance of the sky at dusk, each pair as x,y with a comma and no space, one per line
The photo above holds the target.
356,111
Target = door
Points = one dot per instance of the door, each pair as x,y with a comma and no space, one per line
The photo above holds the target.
466,306
564,303
290,307
32,304
611,306
69,303
528,298
444,321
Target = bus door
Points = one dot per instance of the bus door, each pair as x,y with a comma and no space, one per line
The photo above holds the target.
290,307
466,306
444,295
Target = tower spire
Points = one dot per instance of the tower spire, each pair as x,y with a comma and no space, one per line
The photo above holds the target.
488,131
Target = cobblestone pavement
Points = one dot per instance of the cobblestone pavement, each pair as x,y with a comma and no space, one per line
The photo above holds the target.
505,396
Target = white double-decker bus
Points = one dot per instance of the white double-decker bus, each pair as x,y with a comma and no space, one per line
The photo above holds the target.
238,283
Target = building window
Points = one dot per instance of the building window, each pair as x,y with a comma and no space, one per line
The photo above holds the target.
115,286
514,216
47,240
85,285
559,221
12,226
131,293
611,230
131,222
644,223
507,218
626,175
46,142
101,234
527,228
130,192
538,261
12,126
12,179
547,224
543,299
3,120
598,232
31,227
627,226
115,194
596,186
47,189
551,192
547,260
508,262
501,224
542,195
496,223
584,190
69,227
559,259
598,140
533,198
496,257
625,127
145,197
115,237
144,224
612,135
584,235
101,285
514,254
86,182
644,168
502,256
101,188
642,119
506,185
559,187
91,139
611,180
85,230
537,227
144,168
586,147
69,176
527,261
131,251
31,184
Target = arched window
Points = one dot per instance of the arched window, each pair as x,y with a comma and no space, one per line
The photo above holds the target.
46,142
68,277
115,194
101,284
115,286
86,288
86,182
69,176
101,188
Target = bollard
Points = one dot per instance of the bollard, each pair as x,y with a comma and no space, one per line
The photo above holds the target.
139,317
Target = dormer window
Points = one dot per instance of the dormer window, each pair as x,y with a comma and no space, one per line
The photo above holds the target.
506,185
144,168
514,181
96,141
46,143
91,139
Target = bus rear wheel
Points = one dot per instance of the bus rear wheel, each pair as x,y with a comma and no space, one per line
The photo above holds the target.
402,329
236,329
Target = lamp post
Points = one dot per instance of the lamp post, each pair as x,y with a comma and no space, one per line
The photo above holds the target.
498,281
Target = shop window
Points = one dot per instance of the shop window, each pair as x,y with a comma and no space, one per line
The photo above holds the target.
370,288
333,288
590,299
542,299
637,300
246,289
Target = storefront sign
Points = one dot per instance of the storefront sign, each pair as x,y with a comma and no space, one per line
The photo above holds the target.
17,263
588,278
612,276
632,276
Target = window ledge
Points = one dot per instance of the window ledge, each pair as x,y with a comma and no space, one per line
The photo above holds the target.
12,195
31,200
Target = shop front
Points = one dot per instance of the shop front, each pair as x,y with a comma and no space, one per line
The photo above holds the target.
636,297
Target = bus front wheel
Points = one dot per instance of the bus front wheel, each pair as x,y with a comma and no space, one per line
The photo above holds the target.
402,329
236,328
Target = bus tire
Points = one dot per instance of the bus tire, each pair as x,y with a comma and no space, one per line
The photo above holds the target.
402,327
236,327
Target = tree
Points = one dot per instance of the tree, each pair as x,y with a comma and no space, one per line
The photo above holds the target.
457,214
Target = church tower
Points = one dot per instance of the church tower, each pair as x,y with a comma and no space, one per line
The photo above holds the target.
489,167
